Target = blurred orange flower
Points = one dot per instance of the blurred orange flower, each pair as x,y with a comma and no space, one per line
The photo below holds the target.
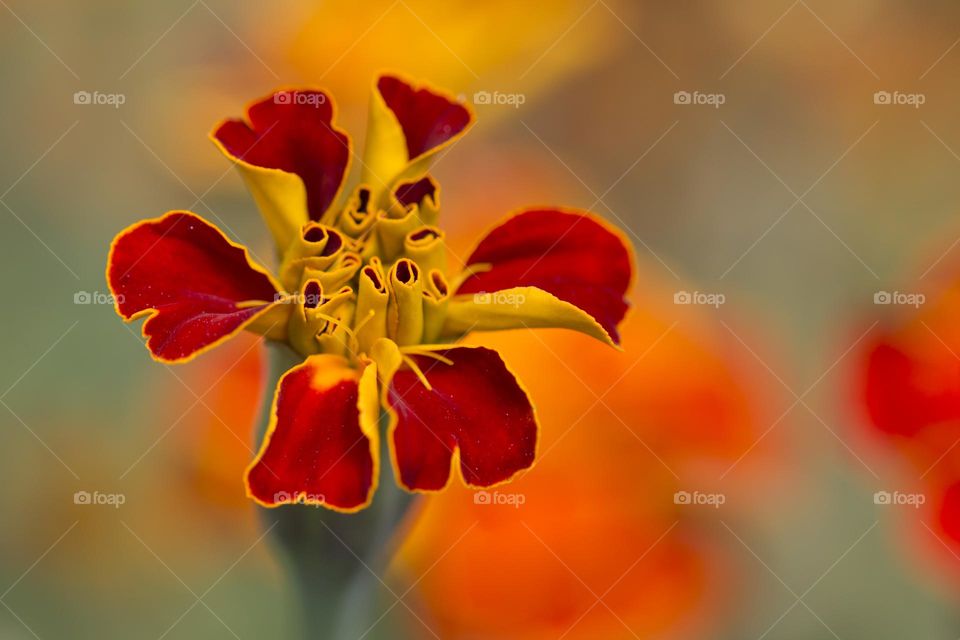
909,388
450,42
218,435
596,518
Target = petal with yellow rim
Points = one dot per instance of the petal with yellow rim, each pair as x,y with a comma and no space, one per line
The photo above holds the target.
321,446
458,403
196,287
408,126
567,253
291,156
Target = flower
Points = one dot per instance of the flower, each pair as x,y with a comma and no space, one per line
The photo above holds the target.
907,389
404,40
362,293
587,524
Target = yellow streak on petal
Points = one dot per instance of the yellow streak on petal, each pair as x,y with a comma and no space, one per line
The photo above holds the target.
386,161
518,308
280,197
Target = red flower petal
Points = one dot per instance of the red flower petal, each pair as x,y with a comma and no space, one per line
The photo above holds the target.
569,254
905,394
475,406
316,450
427,119
190,279
293,131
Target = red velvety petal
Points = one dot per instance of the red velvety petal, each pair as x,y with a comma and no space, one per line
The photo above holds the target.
427,119
904,395
190,278
568,254
314,450
475,405
293,131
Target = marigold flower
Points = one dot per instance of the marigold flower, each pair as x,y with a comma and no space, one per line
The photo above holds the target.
362,292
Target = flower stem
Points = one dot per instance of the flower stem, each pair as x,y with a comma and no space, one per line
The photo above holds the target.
336,561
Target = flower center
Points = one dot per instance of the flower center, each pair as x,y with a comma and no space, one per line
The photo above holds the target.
375,270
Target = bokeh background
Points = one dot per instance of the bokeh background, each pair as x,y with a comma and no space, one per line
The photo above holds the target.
791,205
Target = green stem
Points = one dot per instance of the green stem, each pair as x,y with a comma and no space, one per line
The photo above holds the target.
336,561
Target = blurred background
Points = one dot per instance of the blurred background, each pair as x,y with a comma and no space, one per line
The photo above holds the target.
773,455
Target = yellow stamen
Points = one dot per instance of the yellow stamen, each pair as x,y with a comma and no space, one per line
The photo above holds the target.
413,365
429,354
